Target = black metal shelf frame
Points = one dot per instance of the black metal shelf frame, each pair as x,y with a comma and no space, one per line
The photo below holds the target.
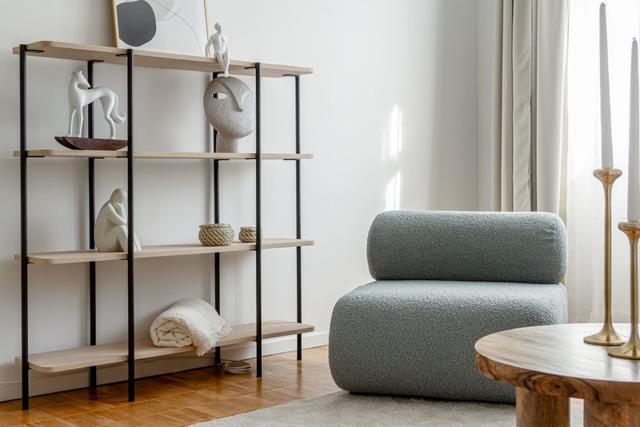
131,259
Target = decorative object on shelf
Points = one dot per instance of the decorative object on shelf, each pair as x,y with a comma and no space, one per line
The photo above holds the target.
237,367
177,26
216,234
190,321
607,335
111,229
631,349
220,49
82,94
231,109
247,234
75,143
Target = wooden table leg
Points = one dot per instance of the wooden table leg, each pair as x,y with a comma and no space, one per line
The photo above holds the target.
604,414
541,410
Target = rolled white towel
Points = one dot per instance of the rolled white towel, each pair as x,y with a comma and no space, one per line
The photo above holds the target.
189,322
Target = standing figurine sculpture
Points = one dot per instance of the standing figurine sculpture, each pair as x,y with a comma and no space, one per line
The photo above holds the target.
111,230
82,94
220,49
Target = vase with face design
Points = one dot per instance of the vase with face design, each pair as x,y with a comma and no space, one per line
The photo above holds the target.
230,107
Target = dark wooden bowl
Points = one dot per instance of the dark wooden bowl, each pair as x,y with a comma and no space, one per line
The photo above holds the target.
76,143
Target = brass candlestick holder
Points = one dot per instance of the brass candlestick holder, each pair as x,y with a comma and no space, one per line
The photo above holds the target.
631,349
607,335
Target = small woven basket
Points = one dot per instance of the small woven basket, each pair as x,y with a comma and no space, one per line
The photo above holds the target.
216,234
247,234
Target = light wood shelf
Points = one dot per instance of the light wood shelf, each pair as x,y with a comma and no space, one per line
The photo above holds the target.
149,59
105,154
110,354
91,255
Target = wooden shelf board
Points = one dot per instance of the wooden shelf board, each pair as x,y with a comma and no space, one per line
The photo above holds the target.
110,354
88,255
145,58
161,155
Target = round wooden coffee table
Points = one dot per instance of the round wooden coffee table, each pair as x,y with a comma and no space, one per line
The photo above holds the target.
550,364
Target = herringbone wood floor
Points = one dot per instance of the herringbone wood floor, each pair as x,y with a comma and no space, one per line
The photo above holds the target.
181,399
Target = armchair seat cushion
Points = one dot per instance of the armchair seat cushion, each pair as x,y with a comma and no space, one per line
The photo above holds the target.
416,337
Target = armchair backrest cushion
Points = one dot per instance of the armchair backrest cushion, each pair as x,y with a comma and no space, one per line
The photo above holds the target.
522,247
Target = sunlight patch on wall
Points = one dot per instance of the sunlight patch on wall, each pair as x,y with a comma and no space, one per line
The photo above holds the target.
391,150
395,133
392,196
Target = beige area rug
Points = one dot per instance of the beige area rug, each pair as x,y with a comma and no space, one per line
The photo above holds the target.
344,409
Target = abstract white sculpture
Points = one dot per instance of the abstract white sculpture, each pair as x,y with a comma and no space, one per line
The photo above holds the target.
111,225
81,94
220,49
230,107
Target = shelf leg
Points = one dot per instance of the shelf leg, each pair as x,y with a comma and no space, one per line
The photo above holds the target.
258,232
216,281
24,271
216,219
131,233
92,266
298,221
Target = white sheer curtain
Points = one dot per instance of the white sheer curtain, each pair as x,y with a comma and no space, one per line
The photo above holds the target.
584,194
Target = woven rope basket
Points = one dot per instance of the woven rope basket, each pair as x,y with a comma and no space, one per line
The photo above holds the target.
247,234
216,234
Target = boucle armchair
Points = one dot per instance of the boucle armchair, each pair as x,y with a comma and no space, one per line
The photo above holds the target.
442,281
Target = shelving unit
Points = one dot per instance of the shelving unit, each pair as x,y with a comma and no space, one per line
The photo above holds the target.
93,355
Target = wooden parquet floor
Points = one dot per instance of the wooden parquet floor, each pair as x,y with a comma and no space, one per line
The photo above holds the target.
182,398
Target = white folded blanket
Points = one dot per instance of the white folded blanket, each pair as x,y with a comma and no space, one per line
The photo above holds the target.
189,322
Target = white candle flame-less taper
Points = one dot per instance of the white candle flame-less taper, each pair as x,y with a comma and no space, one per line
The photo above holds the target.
605,107
634,144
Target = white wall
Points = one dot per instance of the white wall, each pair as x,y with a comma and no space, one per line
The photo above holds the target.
390,115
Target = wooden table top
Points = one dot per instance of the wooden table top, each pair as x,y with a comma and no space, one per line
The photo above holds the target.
554,360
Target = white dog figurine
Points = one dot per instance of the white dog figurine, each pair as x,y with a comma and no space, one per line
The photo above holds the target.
81,94
220,49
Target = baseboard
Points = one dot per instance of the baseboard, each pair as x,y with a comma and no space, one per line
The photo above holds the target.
44,384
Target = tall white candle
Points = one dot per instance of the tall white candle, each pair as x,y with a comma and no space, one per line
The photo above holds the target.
605,107
634,143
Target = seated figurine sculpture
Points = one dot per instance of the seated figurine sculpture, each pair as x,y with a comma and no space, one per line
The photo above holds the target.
111,229
220,49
